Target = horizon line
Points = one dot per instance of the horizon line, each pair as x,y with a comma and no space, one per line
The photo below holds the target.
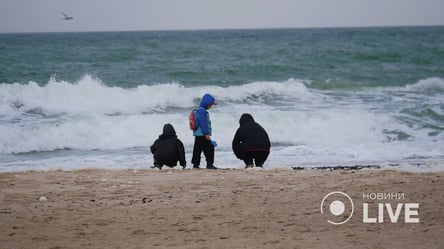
226,29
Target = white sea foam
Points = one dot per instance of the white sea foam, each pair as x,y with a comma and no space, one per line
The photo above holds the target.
102,125
89,95
429,84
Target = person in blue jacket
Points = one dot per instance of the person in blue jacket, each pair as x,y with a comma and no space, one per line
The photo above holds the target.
202,134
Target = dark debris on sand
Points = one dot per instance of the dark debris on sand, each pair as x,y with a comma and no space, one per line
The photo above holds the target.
340,167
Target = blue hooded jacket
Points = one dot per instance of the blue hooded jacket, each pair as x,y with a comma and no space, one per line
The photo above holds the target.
203,117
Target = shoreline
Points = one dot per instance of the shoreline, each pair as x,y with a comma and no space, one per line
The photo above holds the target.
405,166
273,208
388,167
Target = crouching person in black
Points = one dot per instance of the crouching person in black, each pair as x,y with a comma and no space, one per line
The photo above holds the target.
251,142
168,149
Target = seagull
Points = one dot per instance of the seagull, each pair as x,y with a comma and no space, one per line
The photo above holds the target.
66,17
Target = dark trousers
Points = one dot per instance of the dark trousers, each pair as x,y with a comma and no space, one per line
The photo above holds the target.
169,163
259,157
248,156
201,144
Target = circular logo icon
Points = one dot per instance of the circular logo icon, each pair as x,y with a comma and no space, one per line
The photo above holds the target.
338,207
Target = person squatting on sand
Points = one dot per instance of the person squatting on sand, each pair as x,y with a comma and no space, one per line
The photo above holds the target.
251,142
202,134
168,149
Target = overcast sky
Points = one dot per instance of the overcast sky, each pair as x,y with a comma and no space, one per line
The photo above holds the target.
118,15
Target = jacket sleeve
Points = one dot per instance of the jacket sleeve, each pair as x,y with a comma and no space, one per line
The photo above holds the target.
237,146
202,121
181,153
267,138
236,139
153,147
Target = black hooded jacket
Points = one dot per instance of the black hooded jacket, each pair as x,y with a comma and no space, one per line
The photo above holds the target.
168,149
250,135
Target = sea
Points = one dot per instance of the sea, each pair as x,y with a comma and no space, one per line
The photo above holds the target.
326,96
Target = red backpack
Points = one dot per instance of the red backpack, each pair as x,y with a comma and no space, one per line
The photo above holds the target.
193,119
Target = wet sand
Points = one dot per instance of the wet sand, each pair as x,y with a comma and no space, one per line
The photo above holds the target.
214,209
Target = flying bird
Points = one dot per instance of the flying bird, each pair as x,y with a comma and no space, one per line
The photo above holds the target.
66,17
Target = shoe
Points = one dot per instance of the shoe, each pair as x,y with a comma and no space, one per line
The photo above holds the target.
196,167
249,166
212,167
157,166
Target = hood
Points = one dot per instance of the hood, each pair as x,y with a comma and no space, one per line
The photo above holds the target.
168,131
245,119
207,100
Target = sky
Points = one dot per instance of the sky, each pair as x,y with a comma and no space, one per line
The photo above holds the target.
18,16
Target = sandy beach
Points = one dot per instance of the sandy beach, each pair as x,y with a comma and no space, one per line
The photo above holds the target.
214,209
